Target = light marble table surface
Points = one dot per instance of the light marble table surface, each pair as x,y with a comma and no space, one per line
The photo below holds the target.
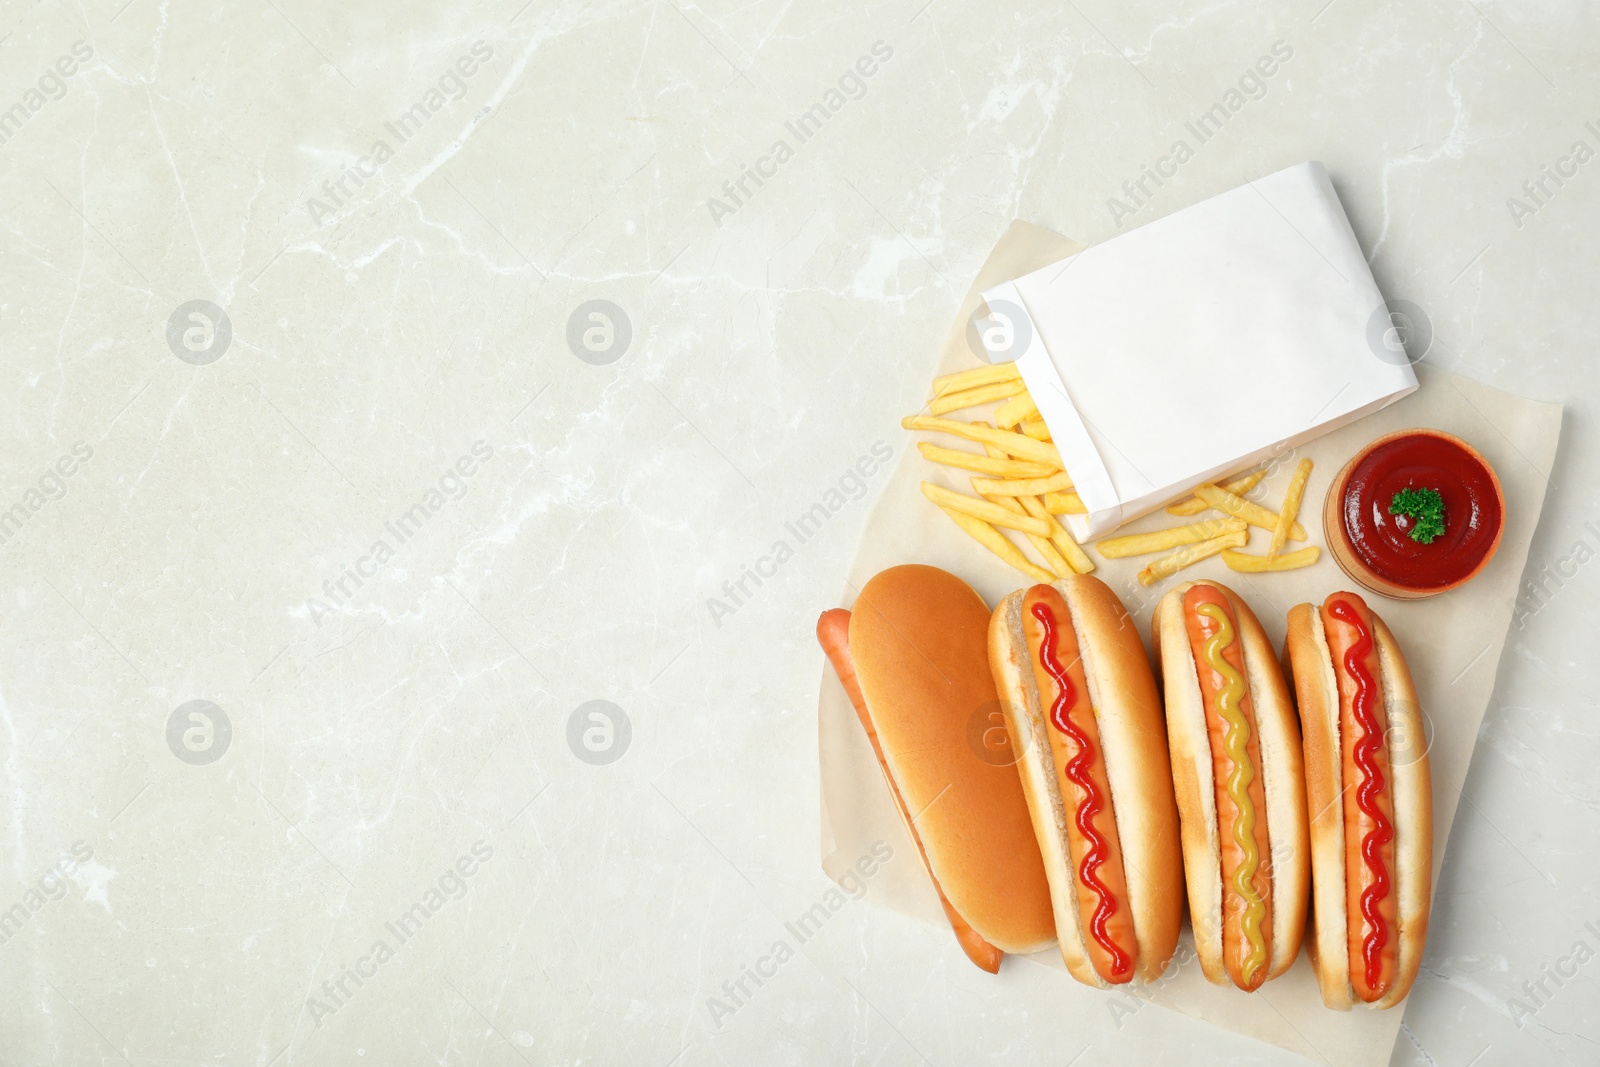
332,499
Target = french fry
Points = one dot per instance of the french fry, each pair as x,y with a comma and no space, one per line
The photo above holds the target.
1052,558
1015,410
993,514
1167,566
1051,554
1172,537
1291,507
971,379
1055,483
1036,429
996,542
1017,445
1239,507
1239,487
995,466
1071,553
1060,536
1064,504
1287,561
971,398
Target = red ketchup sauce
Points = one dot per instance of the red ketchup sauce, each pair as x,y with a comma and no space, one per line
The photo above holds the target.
1472,511
1368,792
1077,771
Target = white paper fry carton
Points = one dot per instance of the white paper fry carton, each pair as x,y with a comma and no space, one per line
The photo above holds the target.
1201,344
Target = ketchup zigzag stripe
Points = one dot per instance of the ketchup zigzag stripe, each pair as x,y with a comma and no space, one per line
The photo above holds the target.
1368,792
1089,806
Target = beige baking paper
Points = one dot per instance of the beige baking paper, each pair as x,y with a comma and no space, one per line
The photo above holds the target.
1453,643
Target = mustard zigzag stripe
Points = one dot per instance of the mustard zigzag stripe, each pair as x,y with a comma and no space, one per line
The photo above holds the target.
1236,742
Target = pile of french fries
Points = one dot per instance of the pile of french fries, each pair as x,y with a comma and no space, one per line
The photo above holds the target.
1223,536
1019,481
1024,487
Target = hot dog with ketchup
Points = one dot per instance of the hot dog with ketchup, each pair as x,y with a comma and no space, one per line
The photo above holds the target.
1080,700
1240,783
912,656
1371,801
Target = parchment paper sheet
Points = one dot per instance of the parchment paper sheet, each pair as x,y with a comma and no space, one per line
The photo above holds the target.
1453,643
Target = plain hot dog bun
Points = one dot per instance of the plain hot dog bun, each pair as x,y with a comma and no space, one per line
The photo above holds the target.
918,641
1112,704
1326,724
833,632
1247,904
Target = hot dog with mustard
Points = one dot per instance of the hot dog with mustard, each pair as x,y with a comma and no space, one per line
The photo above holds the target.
1240,784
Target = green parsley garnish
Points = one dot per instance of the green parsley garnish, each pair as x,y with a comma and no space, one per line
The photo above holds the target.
1426,509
